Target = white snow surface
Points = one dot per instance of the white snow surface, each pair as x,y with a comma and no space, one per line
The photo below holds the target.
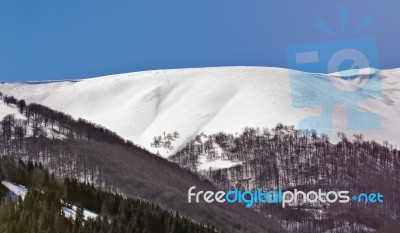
17,189
6,110
71,213
215,164
141,105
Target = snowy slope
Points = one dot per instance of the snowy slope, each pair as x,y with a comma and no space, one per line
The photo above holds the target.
16,189
11,109
141,105
6,110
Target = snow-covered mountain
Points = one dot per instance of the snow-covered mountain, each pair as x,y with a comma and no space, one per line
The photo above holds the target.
142,105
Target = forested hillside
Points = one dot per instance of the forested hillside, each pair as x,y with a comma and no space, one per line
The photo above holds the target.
39,211
90,153
291,159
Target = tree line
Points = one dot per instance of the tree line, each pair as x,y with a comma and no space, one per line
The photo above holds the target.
40,118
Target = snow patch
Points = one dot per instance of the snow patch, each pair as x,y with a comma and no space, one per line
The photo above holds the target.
16,189
71,212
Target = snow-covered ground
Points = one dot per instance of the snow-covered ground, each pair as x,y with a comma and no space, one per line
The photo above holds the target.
204,164
16,189
141,105
11,109
217,161
71,213
6,110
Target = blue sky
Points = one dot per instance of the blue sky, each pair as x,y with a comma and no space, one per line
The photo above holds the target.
49,40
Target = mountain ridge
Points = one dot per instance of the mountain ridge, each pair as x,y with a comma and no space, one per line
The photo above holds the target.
142,105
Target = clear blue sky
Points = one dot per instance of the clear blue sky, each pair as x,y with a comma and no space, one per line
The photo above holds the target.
48,40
